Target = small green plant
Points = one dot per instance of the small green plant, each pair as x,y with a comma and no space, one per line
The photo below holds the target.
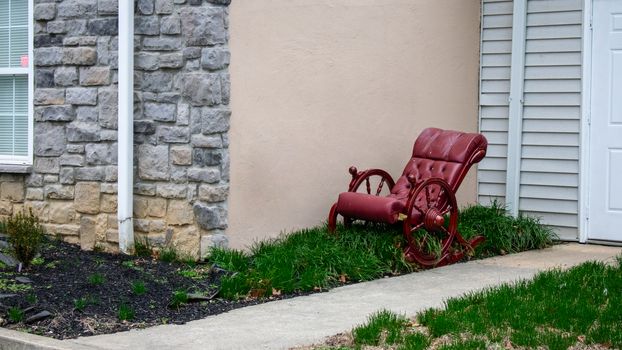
142,247
38,261
15,314
168,254
8,285
139,288
190,273
25,235
188,261
132,265
179,298
126,313
80,303
51,265
99,261
58,237
99,248
31,298
97,279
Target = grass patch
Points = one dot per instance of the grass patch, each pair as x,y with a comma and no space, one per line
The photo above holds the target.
313,259
467,344
382,327
504,234
414,341
555,310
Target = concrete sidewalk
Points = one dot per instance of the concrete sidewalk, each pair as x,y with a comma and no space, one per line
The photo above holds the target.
306,320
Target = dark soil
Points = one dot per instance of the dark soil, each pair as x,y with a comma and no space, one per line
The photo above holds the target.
85,290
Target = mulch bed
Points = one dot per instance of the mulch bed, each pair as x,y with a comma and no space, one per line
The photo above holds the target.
83,291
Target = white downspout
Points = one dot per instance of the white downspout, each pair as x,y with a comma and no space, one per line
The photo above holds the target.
126,127
515,118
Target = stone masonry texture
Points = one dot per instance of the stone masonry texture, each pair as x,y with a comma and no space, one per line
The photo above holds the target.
181,112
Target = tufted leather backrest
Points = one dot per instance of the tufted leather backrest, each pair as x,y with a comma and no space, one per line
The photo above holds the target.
441,153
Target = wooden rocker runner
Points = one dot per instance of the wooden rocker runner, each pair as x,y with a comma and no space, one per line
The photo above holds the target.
423,198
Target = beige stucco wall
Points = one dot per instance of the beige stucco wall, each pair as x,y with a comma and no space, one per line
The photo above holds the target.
319,85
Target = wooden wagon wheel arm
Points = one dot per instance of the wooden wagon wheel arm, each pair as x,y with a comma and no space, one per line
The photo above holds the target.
415,188
358,177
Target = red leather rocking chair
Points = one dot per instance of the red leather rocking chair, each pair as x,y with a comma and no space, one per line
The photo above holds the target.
423,198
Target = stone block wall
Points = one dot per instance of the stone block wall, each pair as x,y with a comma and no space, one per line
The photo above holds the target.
72,186
180,131
181,122
11,194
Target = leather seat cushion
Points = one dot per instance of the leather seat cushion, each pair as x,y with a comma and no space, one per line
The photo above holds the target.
369,207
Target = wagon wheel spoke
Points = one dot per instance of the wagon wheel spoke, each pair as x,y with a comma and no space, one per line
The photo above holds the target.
439,196
380,187
416,227
368,185
445,231
427,195
419,209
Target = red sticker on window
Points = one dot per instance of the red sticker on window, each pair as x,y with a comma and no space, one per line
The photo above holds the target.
24,61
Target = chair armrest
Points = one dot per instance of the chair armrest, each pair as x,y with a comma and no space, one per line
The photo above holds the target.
359,176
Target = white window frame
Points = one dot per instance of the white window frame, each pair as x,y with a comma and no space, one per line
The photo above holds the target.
24,160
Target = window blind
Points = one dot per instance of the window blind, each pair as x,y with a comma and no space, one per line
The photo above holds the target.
13,32
13,78
14,115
